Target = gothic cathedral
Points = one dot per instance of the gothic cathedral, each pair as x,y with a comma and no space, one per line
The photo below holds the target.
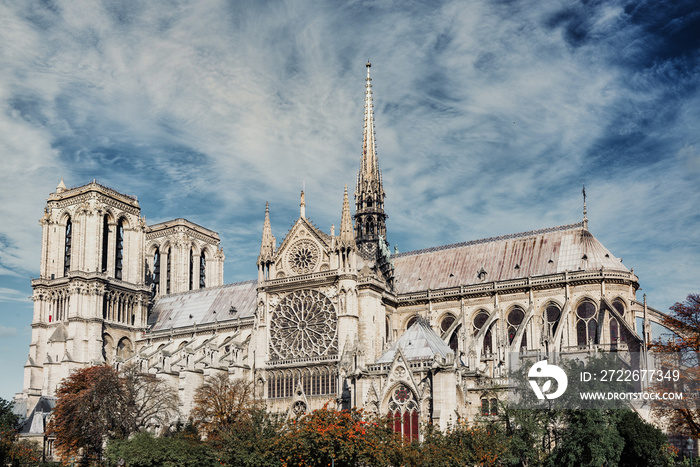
332,317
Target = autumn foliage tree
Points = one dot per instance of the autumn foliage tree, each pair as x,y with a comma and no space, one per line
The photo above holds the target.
341,438
98,403
682,352
234,421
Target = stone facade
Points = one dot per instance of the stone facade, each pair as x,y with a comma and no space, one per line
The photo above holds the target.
424,335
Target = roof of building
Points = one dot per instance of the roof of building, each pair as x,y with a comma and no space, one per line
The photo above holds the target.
540,252
35,423
419,342
204,306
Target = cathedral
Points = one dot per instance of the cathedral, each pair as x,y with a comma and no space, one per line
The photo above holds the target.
332,318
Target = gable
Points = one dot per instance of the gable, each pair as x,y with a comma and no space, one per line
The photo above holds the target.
305,249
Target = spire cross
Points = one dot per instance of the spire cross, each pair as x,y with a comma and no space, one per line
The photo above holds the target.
585,216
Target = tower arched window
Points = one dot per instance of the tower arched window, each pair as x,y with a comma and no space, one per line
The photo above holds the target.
168,271
68,246
587,324
202,270
119,250
156,271
105,243
191,270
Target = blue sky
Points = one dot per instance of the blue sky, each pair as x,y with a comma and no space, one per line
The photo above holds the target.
489,116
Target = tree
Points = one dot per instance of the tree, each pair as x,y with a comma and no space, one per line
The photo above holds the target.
145,450
589,439
681,353
644,444
8,431
235,423
95,404
483,444
342,438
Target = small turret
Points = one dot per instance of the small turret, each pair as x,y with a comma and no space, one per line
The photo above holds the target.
347,237
267,247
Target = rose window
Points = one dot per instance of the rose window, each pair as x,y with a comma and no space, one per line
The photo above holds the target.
303,257
303,325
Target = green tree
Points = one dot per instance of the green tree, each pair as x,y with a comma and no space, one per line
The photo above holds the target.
483,444
589,439
145,450
644,444
8,431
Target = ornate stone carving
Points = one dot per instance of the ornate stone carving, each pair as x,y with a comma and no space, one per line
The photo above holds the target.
302,325
303,256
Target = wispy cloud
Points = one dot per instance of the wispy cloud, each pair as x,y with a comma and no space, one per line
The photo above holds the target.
7,332
489,116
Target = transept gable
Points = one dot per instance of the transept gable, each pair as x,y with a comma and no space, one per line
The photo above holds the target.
305,249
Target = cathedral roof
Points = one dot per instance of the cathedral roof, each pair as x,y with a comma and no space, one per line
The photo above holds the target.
204,306
540,252
419,342
35,423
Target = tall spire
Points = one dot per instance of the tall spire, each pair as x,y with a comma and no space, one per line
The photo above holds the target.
370,219
369,167
267,246
346,231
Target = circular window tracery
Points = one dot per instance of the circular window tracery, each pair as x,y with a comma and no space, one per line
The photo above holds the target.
303,325
303,256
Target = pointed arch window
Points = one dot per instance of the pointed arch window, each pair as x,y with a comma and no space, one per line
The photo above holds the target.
552,314
202,270
156,269
587,324
446,322
479,321
168,271
404,411
620,308
191,284
105,243
119,250
515,319
68,247
614,331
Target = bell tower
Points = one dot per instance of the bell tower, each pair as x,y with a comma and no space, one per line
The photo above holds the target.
370,219
90,300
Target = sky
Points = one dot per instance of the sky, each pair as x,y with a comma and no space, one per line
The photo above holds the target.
489,115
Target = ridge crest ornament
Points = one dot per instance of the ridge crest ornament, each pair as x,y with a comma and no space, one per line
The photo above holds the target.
303,325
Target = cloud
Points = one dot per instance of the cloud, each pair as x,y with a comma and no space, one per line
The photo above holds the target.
12,295
489,119
7,332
